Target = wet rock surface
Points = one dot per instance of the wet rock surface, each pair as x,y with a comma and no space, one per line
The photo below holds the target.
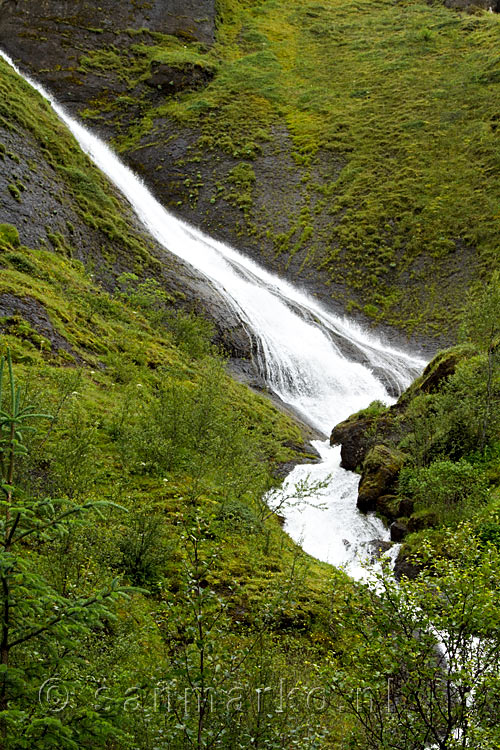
398,531
377,549
354,437
405,566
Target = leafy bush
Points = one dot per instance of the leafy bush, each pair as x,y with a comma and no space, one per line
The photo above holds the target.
489,533
237,514
192,428
447,488
192,333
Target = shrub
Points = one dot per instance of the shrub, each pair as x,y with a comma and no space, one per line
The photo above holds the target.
445,487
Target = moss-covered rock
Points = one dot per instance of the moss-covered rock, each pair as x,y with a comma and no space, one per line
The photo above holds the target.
358,433
354,438
171,79
380,471
422,519
406,566
437,372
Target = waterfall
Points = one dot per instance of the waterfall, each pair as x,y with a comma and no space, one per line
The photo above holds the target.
323,366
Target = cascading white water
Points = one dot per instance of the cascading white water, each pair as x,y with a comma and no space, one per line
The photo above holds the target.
300,354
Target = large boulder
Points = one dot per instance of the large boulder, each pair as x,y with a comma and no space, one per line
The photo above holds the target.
398,531
380,472
353,436
406,566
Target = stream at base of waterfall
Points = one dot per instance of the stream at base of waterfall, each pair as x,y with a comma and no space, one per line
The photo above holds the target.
322,365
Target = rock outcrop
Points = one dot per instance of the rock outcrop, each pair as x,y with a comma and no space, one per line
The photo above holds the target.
381,468
369,439
372,443
172,79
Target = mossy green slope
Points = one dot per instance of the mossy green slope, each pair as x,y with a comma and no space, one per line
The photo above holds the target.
379,117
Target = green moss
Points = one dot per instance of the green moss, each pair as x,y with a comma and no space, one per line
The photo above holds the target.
9,235
20,263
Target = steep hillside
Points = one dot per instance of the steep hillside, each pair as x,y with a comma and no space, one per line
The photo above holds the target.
350,144
149,597
136,461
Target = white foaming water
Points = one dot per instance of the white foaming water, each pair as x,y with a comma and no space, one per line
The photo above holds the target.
300,354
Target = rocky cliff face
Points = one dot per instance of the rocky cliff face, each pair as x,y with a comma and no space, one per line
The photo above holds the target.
50,36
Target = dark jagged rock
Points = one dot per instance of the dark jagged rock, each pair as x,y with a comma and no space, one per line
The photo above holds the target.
380,471
355,441
377,549
398,531
405,566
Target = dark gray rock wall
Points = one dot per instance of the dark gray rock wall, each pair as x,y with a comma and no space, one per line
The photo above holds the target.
48,37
